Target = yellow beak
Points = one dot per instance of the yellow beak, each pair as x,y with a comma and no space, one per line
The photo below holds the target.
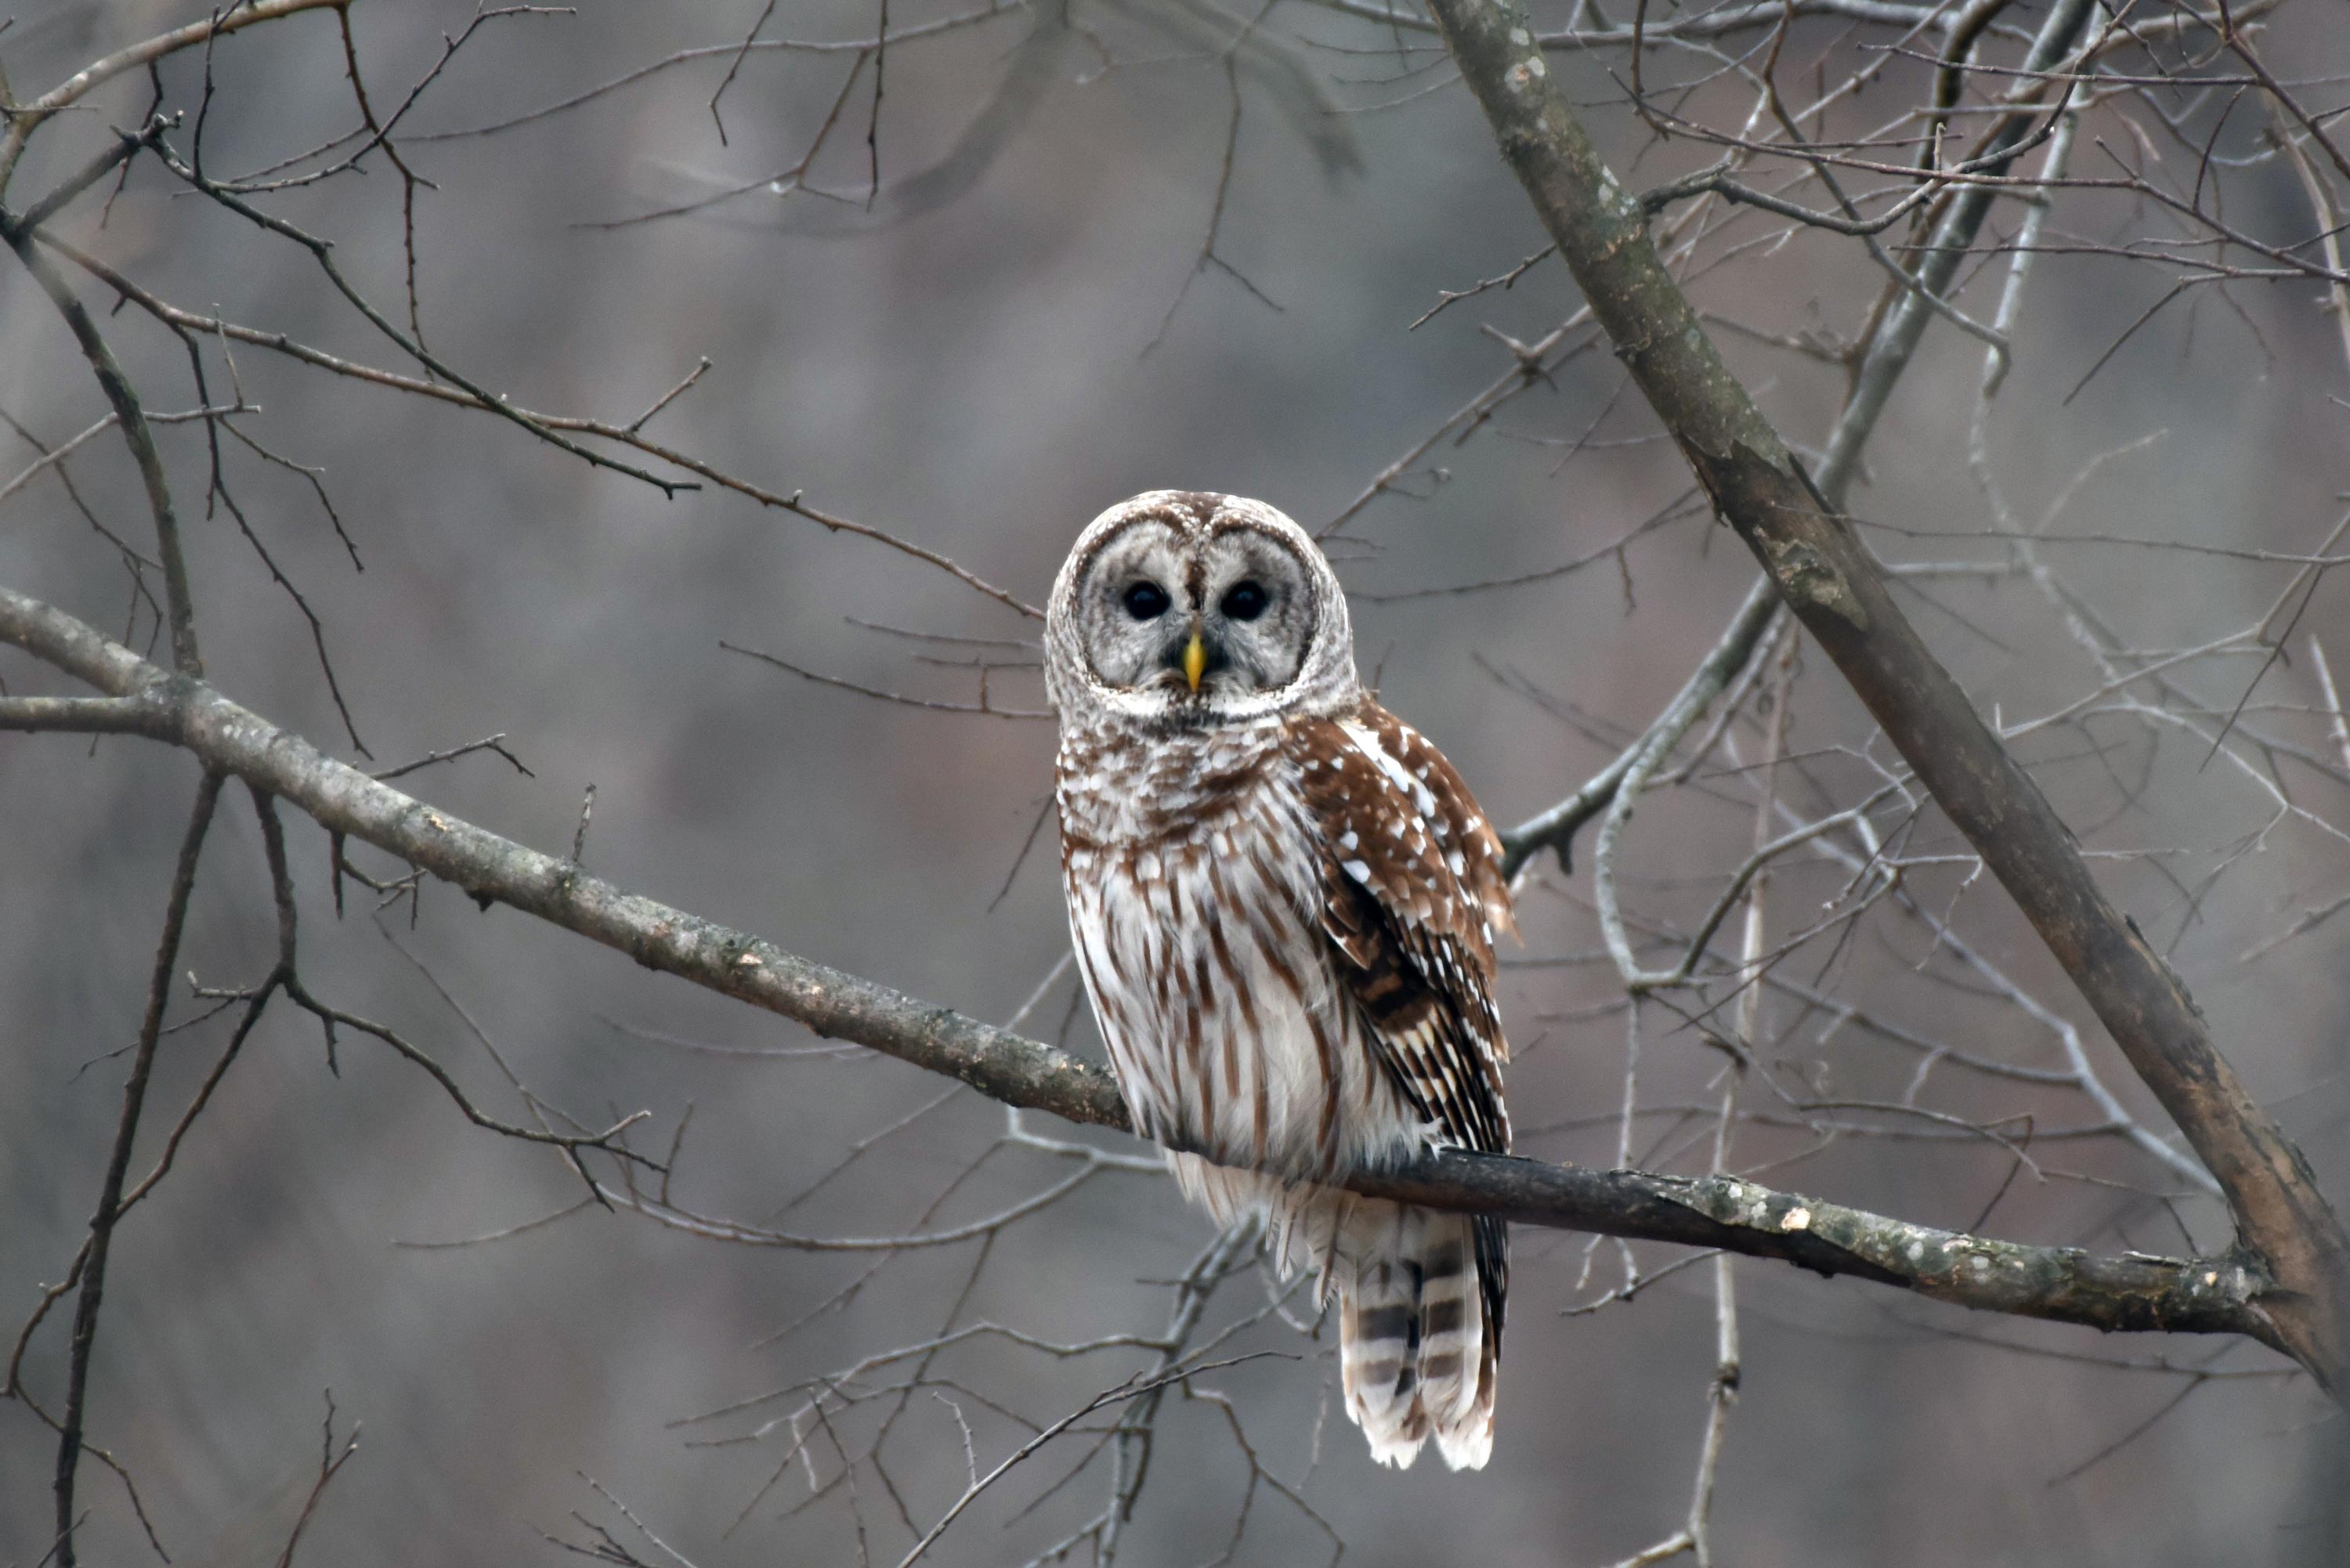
1195,659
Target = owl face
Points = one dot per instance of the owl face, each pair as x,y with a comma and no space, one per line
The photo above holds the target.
1196,610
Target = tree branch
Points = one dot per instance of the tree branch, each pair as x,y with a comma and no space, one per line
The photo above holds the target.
88,715
26,118
136,434
1555,828
1842,596
118,1165
2209,1295
1898,322
629,435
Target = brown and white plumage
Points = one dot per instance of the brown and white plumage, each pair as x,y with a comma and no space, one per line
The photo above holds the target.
1284,902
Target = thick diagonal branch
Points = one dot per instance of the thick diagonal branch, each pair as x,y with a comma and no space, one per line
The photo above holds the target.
2213,1295
1840,593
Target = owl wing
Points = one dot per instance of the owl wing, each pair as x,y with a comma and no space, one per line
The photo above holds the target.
1412,894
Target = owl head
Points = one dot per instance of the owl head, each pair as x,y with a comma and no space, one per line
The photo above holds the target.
1191,609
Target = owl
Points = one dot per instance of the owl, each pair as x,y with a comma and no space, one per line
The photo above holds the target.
1283,901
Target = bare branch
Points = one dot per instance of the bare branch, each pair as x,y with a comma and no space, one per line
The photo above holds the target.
117,1167
463,396
129,414
2232,1295
26,118
88,715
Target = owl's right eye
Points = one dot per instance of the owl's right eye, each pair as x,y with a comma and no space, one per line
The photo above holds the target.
1145,601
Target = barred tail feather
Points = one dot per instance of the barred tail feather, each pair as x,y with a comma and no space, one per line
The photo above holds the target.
1379,1336
1419,1332
1420,1296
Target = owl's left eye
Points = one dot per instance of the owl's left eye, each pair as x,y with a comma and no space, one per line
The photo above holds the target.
1245,600
1145,601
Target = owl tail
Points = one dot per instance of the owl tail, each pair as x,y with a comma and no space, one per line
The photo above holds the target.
1419,1330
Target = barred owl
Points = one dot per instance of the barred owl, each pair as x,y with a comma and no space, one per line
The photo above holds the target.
1283,902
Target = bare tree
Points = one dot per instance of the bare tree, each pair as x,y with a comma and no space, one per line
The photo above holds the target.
258,252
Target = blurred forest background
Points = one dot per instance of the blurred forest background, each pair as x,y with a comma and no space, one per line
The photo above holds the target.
1023,326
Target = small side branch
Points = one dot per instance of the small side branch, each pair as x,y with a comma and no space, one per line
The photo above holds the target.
1555,828
118,1165
28,117
459,394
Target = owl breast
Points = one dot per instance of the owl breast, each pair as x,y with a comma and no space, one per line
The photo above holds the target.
1192,893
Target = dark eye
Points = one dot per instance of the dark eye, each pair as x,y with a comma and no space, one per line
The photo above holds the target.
1245,602
1145,601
